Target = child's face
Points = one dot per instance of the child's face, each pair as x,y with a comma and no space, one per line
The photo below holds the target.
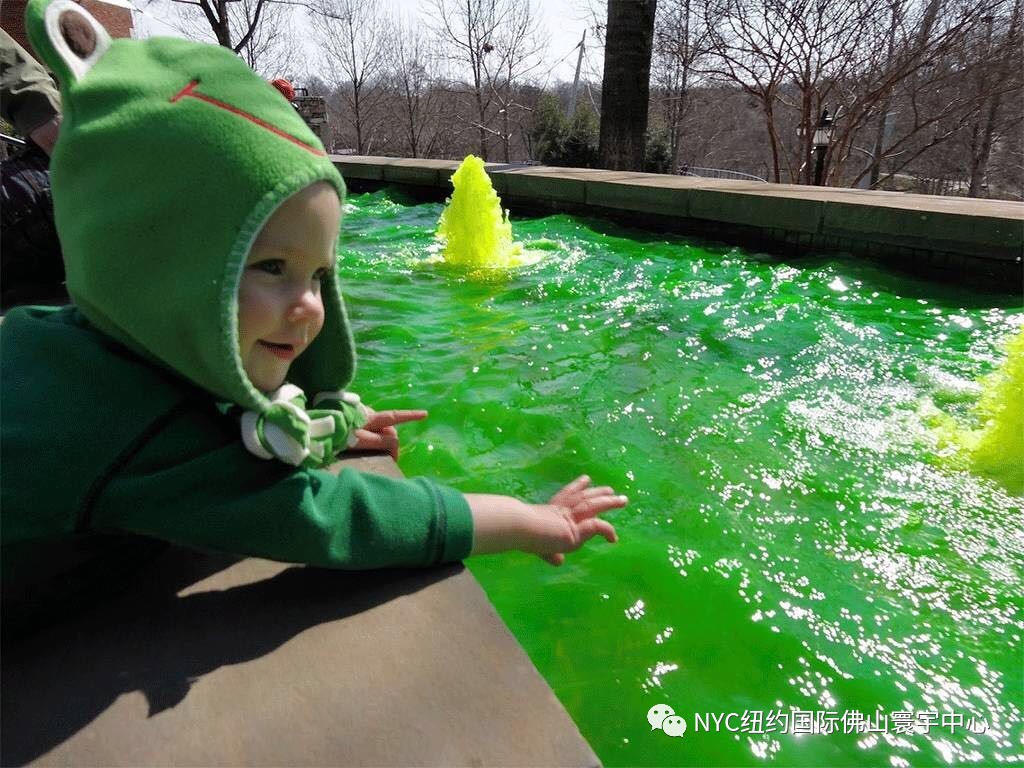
280,310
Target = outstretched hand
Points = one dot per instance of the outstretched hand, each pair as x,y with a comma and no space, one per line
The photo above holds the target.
379,433
571,518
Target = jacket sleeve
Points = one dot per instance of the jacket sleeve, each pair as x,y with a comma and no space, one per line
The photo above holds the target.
27,93
223,498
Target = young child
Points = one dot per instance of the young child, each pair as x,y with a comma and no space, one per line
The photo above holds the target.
194,392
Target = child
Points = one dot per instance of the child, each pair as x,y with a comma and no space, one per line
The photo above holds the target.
194,392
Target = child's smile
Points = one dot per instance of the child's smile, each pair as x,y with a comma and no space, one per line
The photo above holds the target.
280,309
283,351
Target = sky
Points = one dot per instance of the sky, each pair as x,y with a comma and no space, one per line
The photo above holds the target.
564,21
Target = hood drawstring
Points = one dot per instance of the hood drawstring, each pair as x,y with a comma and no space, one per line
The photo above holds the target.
302,437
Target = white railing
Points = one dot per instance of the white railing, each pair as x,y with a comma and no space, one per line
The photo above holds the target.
717,173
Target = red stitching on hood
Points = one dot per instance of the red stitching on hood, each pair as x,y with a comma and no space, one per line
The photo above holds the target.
190,90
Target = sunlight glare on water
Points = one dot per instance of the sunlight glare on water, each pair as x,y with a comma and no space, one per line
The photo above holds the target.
794,537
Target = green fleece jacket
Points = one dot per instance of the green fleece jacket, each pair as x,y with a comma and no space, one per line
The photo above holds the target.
172,156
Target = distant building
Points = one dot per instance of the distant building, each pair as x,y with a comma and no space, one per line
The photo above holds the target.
114,15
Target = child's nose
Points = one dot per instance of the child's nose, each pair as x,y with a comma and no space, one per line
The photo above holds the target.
307,305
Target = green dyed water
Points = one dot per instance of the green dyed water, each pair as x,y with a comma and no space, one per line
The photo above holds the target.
793,539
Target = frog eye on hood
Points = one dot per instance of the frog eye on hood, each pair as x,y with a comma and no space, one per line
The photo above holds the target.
76,36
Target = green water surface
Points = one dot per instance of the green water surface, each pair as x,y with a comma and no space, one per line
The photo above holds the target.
791,542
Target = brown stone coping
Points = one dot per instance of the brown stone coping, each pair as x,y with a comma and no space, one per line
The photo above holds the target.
209,660
977,241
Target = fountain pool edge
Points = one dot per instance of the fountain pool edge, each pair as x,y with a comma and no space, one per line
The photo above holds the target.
979,243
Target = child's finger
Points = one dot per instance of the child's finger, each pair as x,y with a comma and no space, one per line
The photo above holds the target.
376,441
555,560
595,526
588,508
564,496
381,419
603,490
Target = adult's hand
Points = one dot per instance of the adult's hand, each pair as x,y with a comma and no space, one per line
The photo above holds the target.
45,136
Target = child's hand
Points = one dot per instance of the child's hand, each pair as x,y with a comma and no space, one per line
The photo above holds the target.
571,518
501,523
379,433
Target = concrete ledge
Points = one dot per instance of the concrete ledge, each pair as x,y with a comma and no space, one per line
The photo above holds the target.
976,242
207,660
552,184
638,192
396,170
413,172
969,231
370,170
756,209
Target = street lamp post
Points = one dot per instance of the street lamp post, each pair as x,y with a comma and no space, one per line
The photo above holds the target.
822,138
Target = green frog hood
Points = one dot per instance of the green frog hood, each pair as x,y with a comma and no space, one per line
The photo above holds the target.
172,156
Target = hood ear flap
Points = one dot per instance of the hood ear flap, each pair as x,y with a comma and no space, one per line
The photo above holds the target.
66,36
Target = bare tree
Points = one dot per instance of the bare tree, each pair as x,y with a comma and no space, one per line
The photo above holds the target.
749,53
228,24
920,95
353,35
788,55
724,131
903,91
997,76
272,48
260,31
416,98
896,14
1005,172
518,45
491,44
890,72
680,44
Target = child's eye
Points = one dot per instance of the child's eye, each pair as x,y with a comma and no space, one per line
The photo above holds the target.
321,274
270,266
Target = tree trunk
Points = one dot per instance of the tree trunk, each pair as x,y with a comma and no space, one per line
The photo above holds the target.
878,150
481,111
981,147
506,135
357,121
773,139
985,129
408,116
809,121
223,27
677,129
626,87
924,32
